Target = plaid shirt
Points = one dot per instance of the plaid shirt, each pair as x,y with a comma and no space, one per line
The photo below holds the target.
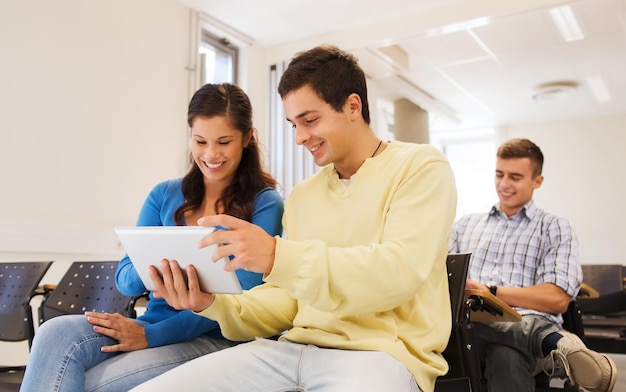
527,249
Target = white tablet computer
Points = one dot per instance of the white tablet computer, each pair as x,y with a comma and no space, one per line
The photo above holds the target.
148,245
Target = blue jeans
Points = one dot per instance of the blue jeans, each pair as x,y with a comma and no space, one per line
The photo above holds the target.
66,357
281,366
510,351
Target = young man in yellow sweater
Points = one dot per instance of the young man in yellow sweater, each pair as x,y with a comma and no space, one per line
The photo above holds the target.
359,284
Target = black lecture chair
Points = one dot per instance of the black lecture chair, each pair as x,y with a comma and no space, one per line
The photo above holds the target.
604,310
86,286
463,359
462,356
18,285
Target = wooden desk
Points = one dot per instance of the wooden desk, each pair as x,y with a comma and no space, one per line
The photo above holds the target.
587,291
491,308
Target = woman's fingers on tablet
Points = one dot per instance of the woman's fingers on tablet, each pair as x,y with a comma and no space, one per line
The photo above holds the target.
192,279
164,282
180,289
178,278
197,300
224,221
175,277
166,273
155,276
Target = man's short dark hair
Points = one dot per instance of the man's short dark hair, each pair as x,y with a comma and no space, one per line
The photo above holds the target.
331,72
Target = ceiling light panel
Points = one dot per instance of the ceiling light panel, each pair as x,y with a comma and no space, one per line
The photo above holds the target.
567,24
599,89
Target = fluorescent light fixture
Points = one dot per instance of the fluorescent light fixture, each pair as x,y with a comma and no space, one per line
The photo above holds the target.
566,22
599,89
455,27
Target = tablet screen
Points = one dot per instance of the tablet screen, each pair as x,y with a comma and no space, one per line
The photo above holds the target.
148,245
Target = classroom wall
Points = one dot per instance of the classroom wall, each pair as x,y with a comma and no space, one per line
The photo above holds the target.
92,115
584,180
93,109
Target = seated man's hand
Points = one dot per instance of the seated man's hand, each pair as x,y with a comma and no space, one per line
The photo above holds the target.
473,285
250,246
180,293
130,334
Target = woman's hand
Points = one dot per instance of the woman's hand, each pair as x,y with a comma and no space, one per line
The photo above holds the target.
180,293
130,335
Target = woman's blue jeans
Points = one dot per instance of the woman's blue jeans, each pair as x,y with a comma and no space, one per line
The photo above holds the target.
66,357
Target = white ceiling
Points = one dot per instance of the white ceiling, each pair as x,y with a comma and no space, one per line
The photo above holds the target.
481,72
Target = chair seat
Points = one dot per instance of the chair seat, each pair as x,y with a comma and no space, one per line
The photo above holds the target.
18,285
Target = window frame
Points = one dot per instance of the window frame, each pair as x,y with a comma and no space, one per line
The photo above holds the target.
222,45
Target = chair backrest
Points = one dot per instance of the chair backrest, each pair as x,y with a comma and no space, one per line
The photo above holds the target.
87,286
18,284
457,266
605,278
462,356
608,280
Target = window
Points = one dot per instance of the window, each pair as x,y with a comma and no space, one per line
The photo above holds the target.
218,59
289,162
472,156
217,52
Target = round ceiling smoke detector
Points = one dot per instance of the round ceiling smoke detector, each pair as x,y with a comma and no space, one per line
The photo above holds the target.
554,90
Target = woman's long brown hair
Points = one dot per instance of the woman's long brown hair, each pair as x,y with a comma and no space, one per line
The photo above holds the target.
230,101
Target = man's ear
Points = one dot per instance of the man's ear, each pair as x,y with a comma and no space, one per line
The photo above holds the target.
538,181
354,105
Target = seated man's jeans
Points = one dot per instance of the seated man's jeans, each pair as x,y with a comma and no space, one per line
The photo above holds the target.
509,351
268,365
66,357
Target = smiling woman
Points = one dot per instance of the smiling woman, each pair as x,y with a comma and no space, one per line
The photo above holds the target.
225,176
216,148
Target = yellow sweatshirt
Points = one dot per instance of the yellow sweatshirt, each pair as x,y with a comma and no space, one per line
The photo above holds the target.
364,266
